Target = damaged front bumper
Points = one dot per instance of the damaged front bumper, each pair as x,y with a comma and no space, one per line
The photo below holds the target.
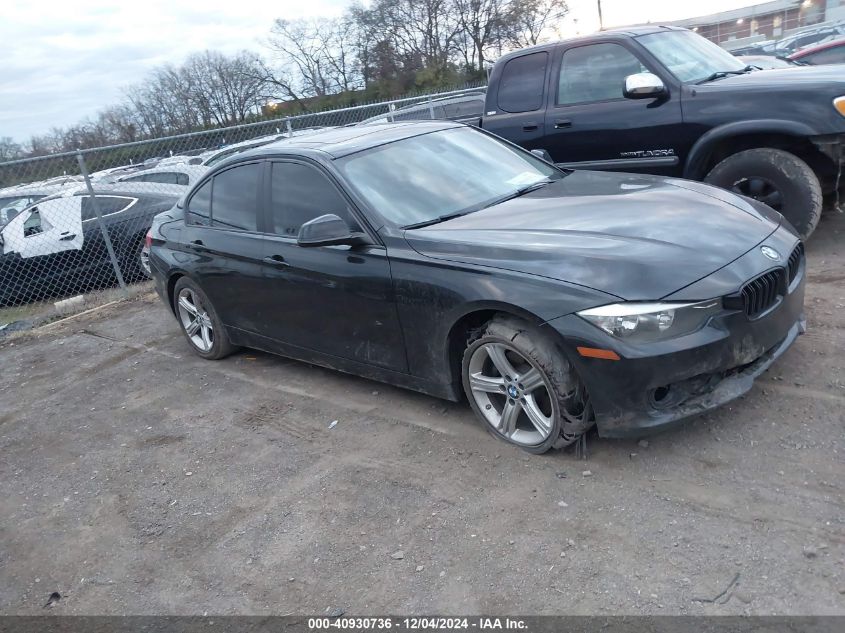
655,386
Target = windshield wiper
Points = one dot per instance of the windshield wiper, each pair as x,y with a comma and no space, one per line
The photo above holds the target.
437,220
724,73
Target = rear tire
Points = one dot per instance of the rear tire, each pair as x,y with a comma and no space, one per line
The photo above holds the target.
199,321
777,178
522,388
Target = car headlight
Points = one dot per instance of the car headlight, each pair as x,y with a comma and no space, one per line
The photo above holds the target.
839,104
646,322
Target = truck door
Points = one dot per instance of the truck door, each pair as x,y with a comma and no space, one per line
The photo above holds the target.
591,125
517,110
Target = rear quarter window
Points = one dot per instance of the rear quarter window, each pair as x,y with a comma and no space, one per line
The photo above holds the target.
521,83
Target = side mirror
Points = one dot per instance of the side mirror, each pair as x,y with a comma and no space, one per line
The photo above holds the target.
543,154
328,230
643,86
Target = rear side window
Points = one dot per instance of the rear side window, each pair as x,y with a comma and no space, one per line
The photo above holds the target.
165,177
199,207
300,193
234,198
521,83
595,73
106,204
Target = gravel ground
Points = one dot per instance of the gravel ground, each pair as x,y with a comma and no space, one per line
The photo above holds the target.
136,478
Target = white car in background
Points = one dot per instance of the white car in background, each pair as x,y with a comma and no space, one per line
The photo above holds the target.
172,174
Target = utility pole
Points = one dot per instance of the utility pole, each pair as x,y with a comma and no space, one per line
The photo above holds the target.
601,23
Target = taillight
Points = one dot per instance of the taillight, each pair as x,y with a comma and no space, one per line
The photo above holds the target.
148,239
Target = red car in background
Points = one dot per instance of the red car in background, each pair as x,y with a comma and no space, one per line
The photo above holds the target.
827,53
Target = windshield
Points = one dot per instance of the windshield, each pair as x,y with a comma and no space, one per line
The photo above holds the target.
452,171
689,56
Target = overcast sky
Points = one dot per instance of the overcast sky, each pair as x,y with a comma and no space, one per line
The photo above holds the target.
63,61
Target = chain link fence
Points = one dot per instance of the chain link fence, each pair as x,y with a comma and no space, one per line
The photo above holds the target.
73,226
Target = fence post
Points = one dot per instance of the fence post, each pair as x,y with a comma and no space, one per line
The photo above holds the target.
430,108
96,205
290,128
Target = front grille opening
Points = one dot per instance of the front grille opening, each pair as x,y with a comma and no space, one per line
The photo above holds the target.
761,293
795,259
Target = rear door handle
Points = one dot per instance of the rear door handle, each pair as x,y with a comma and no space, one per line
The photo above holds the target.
200,247
562,123
67,238
276,260
530,126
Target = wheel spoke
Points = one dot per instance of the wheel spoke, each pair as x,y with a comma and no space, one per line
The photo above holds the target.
480,382
772,199
187,305
206,336
510,414
193,327
535,416
500,360
756,186
530,380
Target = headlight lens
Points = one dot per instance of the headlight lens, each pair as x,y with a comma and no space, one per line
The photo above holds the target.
646,322
839,104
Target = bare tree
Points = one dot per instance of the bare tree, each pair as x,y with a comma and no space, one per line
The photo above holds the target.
528,21
322,52
9,149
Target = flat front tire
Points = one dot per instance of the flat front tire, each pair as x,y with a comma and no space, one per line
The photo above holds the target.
777,178
522,388
199,321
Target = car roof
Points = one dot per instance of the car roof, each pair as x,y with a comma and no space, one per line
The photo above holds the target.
609,34
818,48
342,141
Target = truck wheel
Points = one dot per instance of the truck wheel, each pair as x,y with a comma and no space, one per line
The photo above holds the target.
777,178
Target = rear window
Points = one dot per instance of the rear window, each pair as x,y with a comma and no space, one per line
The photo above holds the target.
521,83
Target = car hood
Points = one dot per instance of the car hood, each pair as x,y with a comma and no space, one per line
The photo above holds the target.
832,73
633,236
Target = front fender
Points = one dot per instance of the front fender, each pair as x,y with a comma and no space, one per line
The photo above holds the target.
697,158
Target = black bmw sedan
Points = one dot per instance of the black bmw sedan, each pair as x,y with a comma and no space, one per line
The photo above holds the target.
437,257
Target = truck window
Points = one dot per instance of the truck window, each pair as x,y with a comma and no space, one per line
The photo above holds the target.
521,84
595,73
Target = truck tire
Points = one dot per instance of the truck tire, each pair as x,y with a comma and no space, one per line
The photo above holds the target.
777,178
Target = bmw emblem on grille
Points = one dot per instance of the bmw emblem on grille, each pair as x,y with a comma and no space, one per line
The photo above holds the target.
769,252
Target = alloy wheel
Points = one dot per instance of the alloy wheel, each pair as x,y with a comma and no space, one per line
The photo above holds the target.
512,393
195,320
760,189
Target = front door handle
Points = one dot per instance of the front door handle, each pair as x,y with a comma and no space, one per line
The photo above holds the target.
530,126
199,246
276,260
67,237
562,123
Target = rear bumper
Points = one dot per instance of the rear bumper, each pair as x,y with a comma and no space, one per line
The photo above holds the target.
655,386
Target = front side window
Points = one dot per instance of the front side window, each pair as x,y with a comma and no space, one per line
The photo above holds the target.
33,225
688,56
457,170
234,198
299,193
521,83
595,72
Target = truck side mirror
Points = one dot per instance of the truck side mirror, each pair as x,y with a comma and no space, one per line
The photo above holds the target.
643,86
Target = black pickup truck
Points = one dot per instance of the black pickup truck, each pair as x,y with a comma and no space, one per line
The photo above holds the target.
666,101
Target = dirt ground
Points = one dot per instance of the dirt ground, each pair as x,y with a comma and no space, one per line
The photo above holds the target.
136,478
